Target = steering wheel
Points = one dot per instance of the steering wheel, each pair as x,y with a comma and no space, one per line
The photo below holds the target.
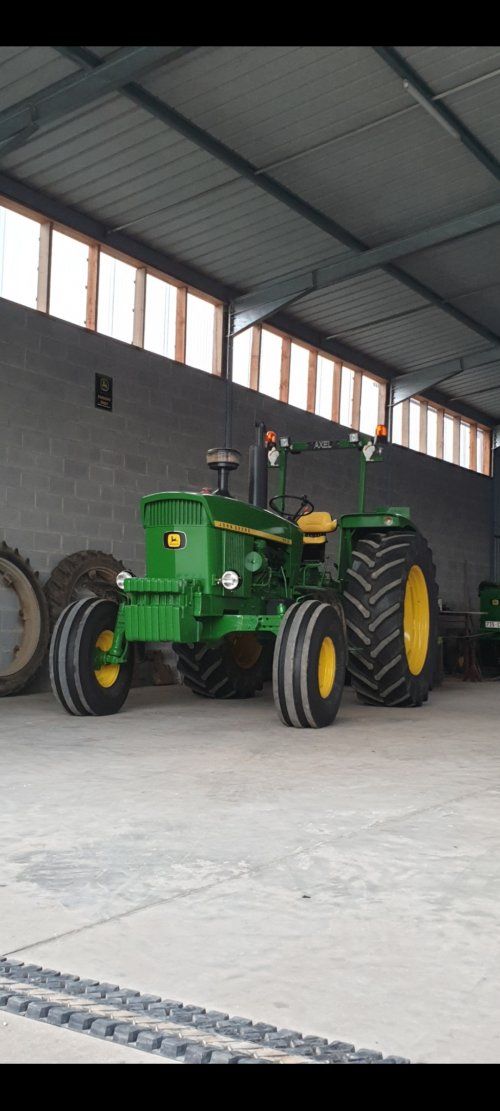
304,509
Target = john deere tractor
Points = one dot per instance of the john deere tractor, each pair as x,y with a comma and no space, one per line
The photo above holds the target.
242,590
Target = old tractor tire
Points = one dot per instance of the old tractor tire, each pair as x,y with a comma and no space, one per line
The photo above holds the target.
81,690
233,667
309,664
391,610
82,575
17,575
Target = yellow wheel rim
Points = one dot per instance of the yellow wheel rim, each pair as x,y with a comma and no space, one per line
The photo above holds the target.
416,620
246,650
327,666
108,673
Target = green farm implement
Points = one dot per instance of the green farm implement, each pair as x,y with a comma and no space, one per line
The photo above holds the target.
242,590
489,629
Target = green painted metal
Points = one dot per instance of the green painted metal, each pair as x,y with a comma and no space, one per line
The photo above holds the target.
192,539
489,604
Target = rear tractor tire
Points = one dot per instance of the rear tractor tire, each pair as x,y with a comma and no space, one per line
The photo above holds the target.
88,574
80,688
391,610
233,667
24,618
309,665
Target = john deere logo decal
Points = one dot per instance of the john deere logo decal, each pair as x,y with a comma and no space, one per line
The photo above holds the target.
175,540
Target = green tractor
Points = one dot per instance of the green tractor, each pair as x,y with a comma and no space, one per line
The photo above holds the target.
242,590
489,629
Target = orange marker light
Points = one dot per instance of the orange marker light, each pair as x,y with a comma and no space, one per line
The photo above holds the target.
270,437
381,432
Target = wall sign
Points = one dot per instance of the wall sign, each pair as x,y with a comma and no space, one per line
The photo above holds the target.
103,392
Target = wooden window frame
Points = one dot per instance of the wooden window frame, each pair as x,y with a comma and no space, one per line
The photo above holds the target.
255,357
139,307
337,379
286,353
312,375
180,324
487,451
96,248
44,267
92,287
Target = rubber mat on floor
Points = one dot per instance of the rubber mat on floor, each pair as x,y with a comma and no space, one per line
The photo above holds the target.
166,1027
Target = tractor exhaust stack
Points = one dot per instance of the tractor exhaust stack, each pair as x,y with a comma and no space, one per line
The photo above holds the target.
257,487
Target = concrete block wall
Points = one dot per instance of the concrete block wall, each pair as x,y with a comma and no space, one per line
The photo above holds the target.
71,475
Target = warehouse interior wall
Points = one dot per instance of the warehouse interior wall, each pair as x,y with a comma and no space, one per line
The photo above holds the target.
71,475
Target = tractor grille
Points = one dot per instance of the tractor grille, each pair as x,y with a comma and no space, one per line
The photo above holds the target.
234,552
174,513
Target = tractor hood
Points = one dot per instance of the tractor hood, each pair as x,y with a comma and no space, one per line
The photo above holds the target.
173,510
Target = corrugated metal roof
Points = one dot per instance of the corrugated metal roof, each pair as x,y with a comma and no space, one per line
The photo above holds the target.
336,127
443,67
26,70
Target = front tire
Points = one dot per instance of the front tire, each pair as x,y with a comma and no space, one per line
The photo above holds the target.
82,689
309,665
390,604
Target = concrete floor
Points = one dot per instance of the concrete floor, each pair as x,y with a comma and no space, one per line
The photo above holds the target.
171,848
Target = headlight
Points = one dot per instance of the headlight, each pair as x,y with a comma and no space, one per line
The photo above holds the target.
122,577
230,580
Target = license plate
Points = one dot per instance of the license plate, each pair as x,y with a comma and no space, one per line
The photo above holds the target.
492,624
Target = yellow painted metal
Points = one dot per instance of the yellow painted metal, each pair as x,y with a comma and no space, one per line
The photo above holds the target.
252,532
327,666
107,674
317,522
416,620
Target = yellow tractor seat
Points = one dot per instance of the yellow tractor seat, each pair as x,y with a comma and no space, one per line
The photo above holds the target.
315,526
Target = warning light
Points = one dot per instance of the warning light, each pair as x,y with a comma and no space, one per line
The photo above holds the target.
381,432
270,437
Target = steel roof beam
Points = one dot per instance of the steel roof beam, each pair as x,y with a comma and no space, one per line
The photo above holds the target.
68,95
416,381
448,118
245,169
266,299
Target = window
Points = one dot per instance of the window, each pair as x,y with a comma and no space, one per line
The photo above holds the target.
242,352
19,250
68,278
448,439
324,387
414,435
115,308
179,320
368,414
346,396
299,368
200,327
464,444
397,424
462,441
432,431
160,316
480,450
270,363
